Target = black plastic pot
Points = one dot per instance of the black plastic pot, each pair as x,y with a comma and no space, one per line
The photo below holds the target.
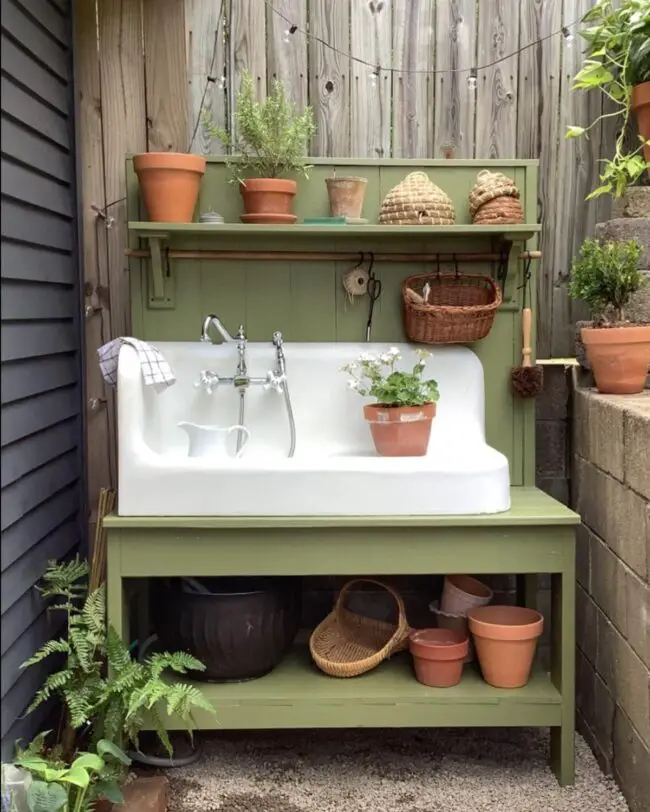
240,631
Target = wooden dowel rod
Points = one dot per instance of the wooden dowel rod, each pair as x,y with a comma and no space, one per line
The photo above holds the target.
331,256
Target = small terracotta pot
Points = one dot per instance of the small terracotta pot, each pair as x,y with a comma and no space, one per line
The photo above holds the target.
619,357
457,623
462,593
641,106
346,196
438,656
268,200
169,183
400,431
505,638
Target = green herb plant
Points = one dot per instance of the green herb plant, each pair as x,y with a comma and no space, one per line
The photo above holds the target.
617,58
271,138
377,377
102,687
605,276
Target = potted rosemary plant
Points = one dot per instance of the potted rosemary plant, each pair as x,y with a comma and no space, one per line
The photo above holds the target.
605,277
400,420
617,62
271,139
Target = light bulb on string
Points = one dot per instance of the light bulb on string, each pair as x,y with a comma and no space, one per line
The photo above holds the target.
286,36
569,39
374,76
472,80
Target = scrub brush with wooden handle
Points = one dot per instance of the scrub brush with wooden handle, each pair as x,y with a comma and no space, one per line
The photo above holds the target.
528,379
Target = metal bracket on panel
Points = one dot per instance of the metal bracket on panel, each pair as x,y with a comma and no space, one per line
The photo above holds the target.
503,249
161,279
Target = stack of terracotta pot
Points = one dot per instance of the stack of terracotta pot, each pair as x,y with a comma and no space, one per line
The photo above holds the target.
494,200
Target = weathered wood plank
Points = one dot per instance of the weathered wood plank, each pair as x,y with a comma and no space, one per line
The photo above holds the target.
330,77
455,106
165,70
248,46
370,90
537,137
496,103
287,52
205,23
413,93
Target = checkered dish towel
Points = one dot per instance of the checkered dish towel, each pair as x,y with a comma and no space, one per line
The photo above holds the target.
155,370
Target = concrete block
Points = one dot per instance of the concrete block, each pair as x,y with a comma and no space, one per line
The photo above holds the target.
557,487
551,448
634,203
580,440
585,688
553,403
608,583
631,761
627,228
604,710
590,737
583,556
637,595
637,445
581,350
605,433
638,310
145,794
586,625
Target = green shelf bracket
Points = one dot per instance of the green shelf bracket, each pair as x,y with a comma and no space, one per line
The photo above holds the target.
162,281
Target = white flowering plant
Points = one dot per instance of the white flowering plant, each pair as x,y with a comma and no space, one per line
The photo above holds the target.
377,377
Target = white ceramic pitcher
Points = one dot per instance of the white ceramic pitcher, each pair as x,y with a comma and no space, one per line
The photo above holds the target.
210,441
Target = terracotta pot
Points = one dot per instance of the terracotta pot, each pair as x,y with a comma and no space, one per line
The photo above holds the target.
268,200
641,106
438,656
505,638
346,196
457,623
462,593
400,431
619,357
169,183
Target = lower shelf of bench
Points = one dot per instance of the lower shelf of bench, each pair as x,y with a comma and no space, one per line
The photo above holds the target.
296,695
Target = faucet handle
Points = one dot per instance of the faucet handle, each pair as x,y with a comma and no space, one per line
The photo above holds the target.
274,381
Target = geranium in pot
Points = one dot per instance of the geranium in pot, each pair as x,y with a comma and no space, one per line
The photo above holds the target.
605,277
271,139
617,62
400,420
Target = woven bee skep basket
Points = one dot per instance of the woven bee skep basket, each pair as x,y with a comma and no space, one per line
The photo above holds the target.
417,201
488,186
347,644
500,210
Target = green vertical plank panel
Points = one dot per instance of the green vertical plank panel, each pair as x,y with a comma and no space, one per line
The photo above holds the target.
528,406
351,312
184,322
223,292
268,299
313,302
136,266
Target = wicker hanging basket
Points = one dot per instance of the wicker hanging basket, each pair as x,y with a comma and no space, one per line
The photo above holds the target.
500,210
417,201
347,644
488,186
459,309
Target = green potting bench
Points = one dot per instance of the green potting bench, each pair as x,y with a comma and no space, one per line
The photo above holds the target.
170,295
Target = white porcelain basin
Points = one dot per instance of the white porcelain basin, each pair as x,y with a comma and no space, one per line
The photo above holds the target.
335,470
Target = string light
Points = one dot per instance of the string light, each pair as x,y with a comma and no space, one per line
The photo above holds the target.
374,76
472,80
569,39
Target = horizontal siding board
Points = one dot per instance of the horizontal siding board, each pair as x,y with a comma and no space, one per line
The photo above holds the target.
28,225
27,301
29,340
27,147
25,727
50,18
25,417
46,626
33,38
31,453
37,487
27,571
22,379
43,120
38,523
20,616
22,693
36,264
24,69
24,184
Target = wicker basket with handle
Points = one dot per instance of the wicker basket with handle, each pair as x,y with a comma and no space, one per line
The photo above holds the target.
488,186
500,211
458,309
417,201
347,644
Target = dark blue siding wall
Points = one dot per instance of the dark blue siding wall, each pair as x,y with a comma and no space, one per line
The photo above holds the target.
42,461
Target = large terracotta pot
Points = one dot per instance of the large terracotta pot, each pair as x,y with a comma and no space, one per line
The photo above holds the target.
169,183
641,106
268,200
619,357
400,431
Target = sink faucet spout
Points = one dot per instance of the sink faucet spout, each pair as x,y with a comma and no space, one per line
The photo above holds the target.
214,319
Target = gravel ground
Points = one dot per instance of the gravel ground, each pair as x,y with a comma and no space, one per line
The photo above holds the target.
491,770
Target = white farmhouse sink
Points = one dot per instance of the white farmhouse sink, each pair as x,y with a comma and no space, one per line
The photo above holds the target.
335,470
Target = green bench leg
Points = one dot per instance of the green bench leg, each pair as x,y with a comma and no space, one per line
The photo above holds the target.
117,608
563,669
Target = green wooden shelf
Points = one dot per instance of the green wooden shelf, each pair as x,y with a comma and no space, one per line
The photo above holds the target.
296,694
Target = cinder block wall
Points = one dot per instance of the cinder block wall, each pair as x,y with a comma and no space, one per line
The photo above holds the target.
611,487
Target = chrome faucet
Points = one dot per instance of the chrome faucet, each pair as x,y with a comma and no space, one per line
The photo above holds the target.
213,319
241,374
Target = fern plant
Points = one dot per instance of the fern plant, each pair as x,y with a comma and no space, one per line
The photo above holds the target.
272,137
101,685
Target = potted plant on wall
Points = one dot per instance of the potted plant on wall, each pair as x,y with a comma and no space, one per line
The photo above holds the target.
400,420
169,184
617,62
271,140
605,277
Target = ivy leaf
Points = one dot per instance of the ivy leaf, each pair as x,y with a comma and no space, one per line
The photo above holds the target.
42,797
110,791
109,748
574,131
78,776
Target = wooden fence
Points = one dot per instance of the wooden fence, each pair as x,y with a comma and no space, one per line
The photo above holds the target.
146,69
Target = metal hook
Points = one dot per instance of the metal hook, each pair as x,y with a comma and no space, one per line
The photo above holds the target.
525,285
455,261
438,265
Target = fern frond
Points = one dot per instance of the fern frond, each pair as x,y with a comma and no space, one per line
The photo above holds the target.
180,661
82,648
94,611
117,653
51,647
161,732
